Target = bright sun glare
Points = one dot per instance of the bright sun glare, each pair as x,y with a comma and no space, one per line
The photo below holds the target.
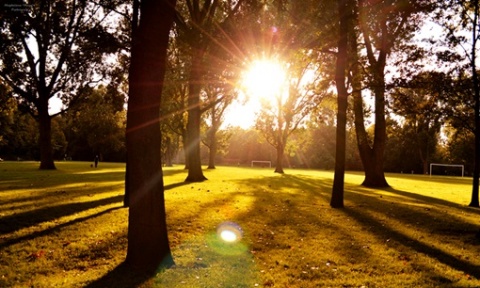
264,79
229,232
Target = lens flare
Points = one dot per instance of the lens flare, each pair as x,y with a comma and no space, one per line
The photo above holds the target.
229,232
228,236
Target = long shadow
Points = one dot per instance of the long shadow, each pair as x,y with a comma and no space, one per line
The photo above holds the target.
437,179
15,222
430,200
174,185
52,197
121,276
174,171
364,201
54,229
388,233
40,180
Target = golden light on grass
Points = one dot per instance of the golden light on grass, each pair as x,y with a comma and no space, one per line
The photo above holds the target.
418,233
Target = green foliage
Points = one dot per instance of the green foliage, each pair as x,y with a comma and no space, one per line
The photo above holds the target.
96,126
7,109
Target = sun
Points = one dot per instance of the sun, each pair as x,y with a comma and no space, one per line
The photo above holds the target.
264,79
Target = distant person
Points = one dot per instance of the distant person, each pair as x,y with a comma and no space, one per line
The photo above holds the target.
96,161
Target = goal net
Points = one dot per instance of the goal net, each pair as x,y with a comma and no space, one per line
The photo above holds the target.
257,163
447,169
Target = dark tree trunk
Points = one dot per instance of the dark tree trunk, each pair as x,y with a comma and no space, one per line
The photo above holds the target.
126,197
195,173
474,202
372,156
168,152
135,16
148,246
213,151
45,139
280,155
185,145
342,102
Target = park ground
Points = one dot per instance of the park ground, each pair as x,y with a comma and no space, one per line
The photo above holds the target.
68,228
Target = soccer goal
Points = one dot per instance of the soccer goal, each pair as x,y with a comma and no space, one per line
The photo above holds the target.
446,165
258,163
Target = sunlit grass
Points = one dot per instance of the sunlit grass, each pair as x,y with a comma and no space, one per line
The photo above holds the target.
67,228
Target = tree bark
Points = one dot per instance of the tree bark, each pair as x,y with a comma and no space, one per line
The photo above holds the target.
195,173
342,103
148,246
280,155
168,152
213,151
45,137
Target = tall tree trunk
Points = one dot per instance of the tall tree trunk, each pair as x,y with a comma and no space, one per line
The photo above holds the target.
213,150
148,246
474,202
344,15
374,175
126,197
168,152
45,139
185,145
280,155
135,16
372,156
195,173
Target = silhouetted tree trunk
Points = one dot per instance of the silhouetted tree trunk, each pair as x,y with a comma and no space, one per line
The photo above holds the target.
135,16
212,148
45,135
195,173
280,154
372,156
148,245
474,202
168,152
344,14
185,145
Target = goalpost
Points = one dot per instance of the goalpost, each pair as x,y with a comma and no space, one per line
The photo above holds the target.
262,162
447,165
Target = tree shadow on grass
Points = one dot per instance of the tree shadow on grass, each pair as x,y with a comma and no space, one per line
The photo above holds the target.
282,209
122,276
54,229
431,200
15,222
417,218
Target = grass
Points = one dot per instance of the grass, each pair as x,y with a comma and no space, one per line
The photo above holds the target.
67,228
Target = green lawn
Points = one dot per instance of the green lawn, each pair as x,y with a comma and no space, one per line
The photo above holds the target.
67,228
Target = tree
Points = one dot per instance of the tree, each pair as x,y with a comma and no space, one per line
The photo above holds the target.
283,113
175,95
51,49
417,101
460,18
148,245
219,99
7,110
96,125
345,15
382,26
200,27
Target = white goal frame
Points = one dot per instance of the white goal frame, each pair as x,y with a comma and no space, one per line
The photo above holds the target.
447,165
258,161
